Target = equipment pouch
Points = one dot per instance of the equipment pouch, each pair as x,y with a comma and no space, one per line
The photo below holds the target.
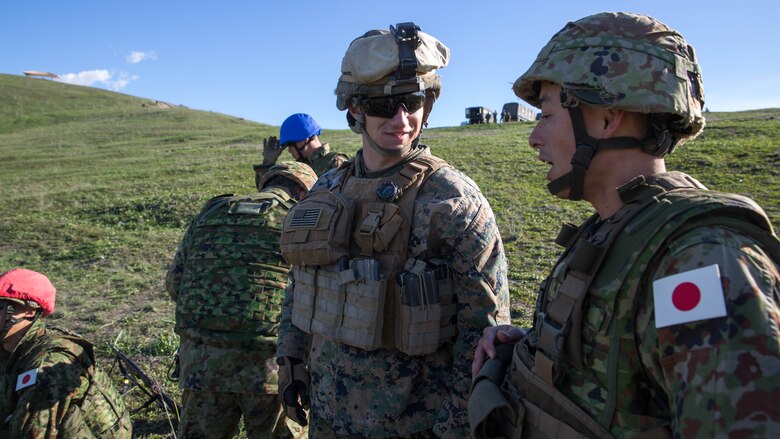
319,300
379,223
317,229
425,308
364,306
541,409
341,304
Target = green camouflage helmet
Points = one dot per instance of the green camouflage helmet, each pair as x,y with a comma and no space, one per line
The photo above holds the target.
372,64
623,60
299,173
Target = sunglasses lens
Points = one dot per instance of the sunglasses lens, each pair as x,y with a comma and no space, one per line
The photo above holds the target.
387,106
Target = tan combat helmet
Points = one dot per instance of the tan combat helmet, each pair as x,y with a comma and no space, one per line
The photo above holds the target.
620,60
390,62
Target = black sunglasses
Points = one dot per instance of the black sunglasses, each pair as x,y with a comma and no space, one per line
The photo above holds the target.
387,106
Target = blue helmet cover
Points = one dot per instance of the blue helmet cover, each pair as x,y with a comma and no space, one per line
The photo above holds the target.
298,127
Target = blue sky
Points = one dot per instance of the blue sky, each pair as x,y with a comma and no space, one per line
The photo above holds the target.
264,60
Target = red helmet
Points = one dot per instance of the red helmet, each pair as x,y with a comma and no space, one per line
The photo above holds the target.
24,286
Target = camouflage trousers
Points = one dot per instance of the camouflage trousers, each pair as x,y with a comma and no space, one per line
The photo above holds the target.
214,415
322,430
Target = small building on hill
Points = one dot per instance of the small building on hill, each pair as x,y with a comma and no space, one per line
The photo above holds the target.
40,74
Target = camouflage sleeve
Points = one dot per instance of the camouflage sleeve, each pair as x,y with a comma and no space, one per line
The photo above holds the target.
338,160
260,171
463,231
173,277
44,410
721,376
292,342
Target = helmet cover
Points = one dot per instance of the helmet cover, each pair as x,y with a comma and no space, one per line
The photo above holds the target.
622,60
21,284
298,127
371,63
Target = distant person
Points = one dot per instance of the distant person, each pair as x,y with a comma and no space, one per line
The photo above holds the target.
661,318
397,261
51,386
300,133
495,116
228,279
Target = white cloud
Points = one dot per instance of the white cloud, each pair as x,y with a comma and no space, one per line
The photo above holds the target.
92,77
120,82
135,56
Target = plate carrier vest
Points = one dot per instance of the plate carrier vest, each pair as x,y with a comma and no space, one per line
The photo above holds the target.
355,282
525,402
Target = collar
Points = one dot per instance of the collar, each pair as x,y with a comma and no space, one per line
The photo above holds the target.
319,152
34,331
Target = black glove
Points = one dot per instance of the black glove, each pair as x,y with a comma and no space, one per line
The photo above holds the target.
271,150
294,389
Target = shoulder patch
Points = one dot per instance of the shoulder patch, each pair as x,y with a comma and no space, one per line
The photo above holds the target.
26,379
688,297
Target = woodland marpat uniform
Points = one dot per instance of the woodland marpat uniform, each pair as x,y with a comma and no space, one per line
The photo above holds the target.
397,262
386,392
70,398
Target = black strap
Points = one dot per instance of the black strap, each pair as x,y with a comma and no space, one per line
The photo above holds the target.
588,147
408,41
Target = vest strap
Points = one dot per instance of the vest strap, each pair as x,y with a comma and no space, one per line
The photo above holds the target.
567,235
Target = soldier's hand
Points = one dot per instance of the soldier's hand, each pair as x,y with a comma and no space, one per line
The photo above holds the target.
486,346
294,389
271,150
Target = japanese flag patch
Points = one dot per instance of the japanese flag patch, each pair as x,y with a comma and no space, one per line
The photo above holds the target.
26,379
688,297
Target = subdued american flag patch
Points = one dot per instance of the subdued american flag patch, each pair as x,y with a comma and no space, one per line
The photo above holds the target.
305,218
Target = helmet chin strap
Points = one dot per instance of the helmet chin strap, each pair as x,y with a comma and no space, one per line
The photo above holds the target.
586,149
10,321
302,158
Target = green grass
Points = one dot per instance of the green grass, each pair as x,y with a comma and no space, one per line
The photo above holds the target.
97,188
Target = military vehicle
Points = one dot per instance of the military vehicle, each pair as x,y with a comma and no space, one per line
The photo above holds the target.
514,112
477,115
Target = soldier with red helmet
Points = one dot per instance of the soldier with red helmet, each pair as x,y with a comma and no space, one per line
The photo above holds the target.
51,386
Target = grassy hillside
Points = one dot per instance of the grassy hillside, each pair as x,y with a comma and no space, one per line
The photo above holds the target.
97,187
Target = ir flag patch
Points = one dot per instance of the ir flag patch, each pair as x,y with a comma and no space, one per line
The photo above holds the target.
26,379
688,297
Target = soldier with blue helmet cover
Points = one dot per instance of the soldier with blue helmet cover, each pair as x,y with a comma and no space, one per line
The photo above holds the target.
300,134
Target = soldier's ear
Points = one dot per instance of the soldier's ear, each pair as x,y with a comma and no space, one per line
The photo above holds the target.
27,312
352,111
